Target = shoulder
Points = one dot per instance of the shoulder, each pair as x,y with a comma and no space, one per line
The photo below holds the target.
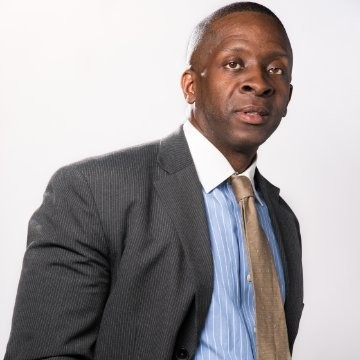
139,163
272,195
133,159
120,165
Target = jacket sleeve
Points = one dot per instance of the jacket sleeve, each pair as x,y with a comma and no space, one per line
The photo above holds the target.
65,276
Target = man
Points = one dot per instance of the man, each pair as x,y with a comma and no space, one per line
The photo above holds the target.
141,254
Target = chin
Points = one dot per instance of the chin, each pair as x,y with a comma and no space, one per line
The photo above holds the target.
249,142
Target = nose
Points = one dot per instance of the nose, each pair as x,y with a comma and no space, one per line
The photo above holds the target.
256,83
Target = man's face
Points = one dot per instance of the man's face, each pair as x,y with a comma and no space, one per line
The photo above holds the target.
239,82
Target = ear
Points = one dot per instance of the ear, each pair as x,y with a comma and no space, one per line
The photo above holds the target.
290,94
188,86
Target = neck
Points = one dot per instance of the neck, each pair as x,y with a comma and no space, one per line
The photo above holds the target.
240,161
240,158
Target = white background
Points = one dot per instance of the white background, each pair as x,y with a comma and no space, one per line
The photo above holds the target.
84,77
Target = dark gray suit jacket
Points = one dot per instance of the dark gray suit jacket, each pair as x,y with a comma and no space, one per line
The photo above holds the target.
119,264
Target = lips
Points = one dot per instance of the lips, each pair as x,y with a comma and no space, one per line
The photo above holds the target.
252,114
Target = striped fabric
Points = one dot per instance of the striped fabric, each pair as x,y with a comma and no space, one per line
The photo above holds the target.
229,331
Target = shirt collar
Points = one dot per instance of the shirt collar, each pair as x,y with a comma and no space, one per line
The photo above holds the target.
211,165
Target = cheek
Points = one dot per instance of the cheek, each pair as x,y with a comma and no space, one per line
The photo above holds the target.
284,95
215,87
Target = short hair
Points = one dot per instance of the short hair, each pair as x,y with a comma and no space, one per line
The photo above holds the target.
204,26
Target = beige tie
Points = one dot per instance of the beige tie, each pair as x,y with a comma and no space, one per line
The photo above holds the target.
271,333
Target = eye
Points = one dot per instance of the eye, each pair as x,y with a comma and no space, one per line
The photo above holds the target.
276,71
233,65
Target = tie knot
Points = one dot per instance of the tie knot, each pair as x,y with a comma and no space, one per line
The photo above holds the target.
242,187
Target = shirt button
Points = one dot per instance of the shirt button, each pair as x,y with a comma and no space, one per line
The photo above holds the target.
248,277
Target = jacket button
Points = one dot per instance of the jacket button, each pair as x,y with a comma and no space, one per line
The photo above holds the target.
182,353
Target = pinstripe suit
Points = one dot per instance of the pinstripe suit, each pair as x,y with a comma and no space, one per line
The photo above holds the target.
119,265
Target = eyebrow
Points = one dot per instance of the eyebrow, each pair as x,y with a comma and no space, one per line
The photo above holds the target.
275,53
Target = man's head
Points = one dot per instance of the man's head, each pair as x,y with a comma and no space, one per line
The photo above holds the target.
238,77
203,30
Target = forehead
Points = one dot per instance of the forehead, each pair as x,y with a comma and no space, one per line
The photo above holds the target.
254,29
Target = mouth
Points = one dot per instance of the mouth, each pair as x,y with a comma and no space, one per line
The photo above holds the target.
251,114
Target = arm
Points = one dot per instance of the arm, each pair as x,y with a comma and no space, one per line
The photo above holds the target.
65,277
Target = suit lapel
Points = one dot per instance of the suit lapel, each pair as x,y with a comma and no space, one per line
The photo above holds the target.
180,192
271,197
288,235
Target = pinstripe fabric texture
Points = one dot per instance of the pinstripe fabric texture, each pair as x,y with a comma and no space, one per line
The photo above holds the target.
119,263
229,328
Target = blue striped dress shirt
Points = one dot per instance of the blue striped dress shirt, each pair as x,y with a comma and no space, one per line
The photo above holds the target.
229,331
